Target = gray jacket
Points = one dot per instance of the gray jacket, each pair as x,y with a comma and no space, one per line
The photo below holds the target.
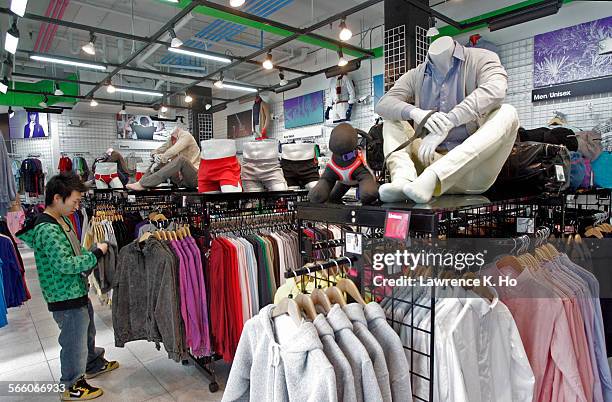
264,370
146,297
399,369
106,268
485,83
354,312
366,386
345,381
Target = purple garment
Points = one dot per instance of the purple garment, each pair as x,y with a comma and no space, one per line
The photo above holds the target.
202,300
183,291
193,310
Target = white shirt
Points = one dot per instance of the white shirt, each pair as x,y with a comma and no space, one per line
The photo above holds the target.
347,90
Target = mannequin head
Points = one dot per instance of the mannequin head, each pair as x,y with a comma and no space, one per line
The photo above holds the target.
441,52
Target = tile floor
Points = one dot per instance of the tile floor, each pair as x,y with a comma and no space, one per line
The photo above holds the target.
29,351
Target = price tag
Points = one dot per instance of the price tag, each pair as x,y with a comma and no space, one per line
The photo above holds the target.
397,224
131,198
354,243
560,173
525,225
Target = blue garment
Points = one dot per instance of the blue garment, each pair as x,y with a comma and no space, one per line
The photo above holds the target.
577,170
77,338
3,312
443,93
14,290
602,170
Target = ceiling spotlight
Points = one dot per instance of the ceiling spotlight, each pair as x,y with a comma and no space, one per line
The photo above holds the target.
58,91
236,3
43,104
219,82
122,109
342,61
12,38
432,31
19,7
345,32
110,88
188,98
282,81
4,84
90,48
207,106
176,42
164,109
93,103
267,64
11,112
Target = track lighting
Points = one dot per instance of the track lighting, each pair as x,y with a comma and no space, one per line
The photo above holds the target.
188,98
288,87
342,61
19,7
345,32
176,42
58,91
282,81
43,104
122,112
68,62
93,103
4,84
267,64
201,55
12,38
236,3
219,82
110,88
11,112
207,106
90,48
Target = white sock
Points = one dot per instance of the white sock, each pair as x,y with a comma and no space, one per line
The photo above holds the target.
422,189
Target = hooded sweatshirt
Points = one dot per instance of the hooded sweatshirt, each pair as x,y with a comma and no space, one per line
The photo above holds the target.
59,262
366,386
344,374
293,370
399,369
354,312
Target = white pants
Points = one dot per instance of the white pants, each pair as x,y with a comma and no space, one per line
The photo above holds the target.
339,111
470,168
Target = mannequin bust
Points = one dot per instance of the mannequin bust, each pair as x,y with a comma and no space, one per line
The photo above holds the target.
298,152
261,150
300,165
219,167
456,96
261,117
106,175
261,168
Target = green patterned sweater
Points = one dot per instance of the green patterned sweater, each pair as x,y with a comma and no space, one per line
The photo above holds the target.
59,267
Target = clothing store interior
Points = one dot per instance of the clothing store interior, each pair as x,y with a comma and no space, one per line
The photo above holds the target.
306,200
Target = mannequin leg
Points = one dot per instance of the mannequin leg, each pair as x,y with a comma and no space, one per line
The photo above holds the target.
231,189
473,166
276,186
310,185
252,186
101,184
368,191
116,183
169,170
400,165
320,192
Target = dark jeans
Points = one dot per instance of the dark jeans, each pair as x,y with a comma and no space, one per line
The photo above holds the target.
77,338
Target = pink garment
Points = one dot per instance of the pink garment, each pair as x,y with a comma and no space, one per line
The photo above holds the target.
185,299
15,221
545,331
205,349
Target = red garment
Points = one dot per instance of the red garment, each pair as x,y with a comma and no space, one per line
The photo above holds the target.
139,176
214,173
345,174
65,164
106,178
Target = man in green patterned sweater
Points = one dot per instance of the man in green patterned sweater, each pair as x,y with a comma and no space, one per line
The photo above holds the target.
63,266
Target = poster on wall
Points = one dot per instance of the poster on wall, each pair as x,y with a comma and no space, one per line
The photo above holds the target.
304,110
239,125
379,87
26,124
140,127
567,62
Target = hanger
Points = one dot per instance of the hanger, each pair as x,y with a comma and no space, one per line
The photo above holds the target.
320,298
348,286
335,296
288,306
480,290
307,306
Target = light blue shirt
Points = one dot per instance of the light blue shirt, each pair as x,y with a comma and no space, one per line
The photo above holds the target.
443,92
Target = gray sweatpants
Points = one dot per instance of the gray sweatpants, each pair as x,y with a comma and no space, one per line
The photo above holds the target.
171,170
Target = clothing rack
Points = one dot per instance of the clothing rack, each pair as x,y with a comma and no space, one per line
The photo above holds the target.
320,266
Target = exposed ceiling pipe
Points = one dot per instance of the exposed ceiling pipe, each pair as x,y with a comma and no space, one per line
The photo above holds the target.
164,38
43,26
116,11
54,27
56,10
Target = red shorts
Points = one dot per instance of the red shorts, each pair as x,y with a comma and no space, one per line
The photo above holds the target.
214,173
106,178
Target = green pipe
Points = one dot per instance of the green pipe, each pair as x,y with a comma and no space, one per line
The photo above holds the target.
47,86
222,15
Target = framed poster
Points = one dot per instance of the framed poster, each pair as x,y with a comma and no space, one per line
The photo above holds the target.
239,125
140,127
379,87
26,124
304,110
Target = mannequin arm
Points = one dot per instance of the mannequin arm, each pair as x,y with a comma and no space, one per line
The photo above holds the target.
492,81
265,113
397,103
184,140
351,90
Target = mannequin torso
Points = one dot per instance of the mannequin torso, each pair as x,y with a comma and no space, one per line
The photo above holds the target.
298,152
218,148
261,150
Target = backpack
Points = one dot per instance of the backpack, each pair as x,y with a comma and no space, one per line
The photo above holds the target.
372,143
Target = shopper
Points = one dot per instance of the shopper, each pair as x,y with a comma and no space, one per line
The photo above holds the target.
63,266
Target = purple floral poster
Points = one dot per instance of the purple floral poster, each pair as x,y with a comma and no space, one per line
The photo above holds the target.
572,54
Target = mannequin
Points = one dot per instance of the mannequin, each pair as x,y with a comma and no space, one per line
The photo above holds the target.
300,165
470,135
261,117
342,97
106,175
261,168
219,167
141,169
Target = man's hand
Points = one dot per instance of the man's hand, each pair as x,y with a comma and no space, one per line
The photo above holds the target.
102,247
438,126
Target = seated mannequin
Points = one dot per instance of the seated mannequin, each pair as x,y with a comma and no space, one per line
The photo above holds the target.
470,135
106,175
178,159
261,168
219,167
300,165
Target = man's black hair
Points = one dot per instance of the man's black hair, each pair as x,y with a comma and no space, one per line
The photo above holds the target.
63,185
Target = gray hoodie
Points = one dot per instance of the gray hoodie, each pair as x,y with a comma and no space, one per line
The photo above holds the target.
354,312
399,369
366,386
344,374
265,370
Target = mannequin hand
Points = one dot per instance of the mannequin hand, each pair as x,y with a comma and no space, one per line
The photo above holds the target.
327,112
439,124
349,112
427,150
157,158
417,115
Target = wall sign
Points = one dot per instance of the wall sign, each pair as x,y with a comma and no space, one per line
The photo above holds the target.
573,89
397,224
